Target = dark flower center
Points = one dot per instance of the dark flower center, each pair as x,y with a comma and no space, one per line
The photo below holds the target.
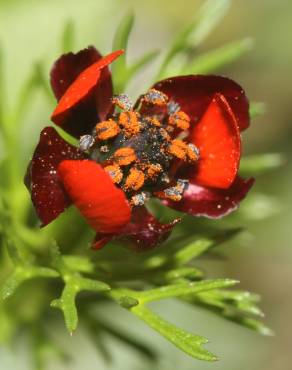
139,150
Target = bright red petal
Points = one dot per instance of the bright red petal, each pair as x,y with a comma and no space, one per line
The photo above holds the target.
194,94
82,86
47,192
91,189
69,66
212,203
218,138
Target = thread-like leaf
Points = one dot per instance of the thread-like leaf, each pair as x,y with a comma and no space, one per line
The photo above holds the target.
121,38
210,14
254,165
187,342
181,289
2,88
192,251
218,58
22,274
66,303
68,37
142,62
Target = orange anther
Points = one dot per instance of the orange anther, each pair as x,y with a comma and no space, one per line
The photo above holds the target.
156,97
153,170
115,173
124,156
180,119
123,102
178,148
135,179
192,152
107,129
153,121
129,121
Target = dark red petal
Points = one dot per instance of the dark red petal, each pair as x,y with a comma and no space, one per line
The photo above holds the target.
218,138
194,94
69,66
92,191
142,233
88,97
47,192
213,203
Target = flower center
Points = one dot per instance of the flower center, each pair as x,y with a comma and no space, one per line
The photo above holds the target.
139,149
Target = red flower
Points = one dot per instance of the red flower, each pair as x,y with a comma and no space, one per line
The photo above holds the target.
180,142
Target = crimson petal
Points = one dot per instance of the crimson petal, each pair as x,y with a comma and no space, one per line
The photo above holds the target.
194,93
47,192
143,232
92,191
218,138
85,95
69,66
213,203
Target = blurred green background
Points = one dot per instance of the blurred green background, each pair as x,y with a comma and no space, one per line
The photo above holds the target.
261,259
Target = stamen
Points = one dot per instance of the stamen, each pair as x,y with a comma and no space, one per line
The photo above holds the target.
180,119
153,170
165,178
193,152
86,142
139,199
178,148
104,149
153,121
175,192
155,97
123,102
172,107
107,129
124,156
135,179
129,121
145,150
115,173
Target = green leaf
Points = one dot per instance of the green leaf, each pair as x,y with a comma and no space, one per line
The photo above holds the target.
36,80
181,289
128,301
142,62
22,274
121,38
8,324
210,14
185,341
190,273
237,306
257,109
2,88
79,263
255,325
258,164
215,59
67,304
123,31
68,37
192,250
259,206
73,285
